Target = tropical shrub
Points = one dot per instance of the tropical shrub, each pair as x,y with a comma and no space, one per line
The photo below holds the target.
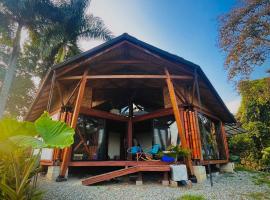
254,115
20,149
266,156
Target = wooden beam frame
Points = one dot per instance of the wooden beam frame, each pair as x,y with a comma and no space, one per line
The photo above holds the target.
158,113
129,136
176,110
73,124
178,119
103,114
128,76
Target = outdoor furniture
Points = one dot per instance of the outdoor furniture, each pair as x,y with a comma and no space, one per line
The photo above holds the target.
135,150
144,154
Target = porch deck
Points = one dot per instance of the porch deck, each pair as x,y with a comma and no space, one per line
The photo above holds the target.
124,163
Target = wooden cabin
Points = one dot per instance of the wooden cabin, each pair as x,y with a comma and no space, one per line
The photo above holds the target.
126,92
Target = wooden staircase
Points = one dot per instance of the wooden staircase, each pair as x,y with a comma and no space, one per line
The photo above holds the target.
122,172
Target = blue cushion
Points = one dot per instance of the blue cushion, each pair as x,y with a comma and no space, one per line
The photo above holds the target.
135,149
167,159
155,149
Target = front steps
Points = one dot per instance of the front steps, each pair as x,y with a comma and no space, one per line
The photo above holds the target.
123,172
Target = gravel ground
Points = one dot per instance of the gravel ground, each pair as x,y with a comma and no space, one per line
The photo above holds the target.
238,185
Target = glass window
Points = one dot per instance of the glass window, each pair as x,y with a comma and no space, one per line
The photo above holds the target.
90,139
165,132
211,138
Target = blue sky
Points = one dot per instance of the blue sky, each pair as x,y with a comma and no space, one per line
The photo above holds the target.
187,28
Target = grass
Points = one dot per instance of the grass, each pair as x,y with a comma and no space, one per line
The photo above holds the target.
258,196
191,197
241,168
262,178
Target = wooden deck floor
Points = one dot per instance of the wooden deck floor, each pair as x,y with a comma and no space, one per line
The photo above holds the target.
117,163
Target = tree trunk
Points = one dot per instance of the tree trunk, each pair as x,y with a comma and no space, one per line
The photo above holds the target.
12,63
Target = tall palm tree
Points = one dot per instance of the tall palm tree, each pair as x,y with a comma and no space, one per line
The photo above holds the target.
60,41
16,15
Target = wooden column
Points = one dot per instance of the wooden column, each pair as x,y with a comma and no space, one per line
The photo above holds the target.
177,117
224,137
176,110
73,124
129,137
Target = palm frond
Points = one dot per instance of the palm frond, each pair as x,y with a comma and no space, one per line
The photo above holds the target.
94,28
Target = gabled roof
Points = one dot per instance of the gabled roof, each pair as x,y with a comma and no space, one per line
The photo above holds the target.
159,52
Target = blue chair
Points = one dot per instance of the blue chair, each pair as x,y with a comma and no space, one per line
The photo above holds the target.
155,149
135,150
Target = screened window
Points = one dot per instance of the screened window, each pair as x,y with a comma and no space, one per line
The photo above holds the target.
90,139
211,138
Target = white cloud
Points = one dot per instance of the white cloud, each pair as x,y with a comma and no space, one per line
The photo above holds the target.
234,105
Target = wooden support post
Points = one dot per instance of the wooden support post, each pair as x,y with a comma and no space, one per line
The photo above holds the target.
129,137
178,118
176,110
73,124
51,91
225,141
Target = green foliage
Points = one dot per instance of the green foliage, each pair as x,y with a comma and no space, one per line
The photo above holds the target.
266,156
178,151
191,197
18,162
54,29
240,144
175,152
244,37
262,178
258,195
254,114
55,134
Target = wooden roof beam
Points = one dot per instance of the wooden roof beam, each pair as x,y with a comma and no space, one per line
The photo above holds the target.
129,76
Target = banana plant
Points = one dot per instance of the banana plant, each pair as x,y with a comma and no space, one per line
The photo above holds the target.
18,163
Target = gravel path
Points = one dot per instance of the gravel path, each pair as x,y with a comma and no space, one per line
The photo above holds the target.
226,187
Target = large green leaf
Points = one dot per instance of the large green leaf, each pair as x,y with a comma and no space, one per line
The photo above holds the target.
11,127
55,134
27,141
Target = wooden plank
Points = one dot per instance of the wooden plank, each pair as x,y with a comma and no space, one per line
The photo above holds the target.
154,56
109,175
164,168
46,162
115,163
59,89
206,112
206,162
51,91
154,114
125,62
102,114
39,93
72,66
73,124
128,76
